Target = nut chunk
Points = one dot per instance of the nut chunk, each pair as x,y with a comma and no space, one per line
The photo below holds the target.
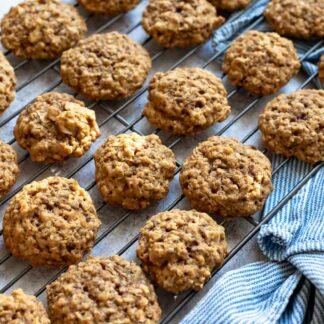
56,127
226,177
134,170
179,249
21,308
103,290
51,223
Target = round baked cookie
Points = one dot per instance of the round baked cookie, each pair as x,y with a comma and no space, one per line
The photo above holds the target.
230,5
179,23
41,29
103,290
185,101
133,170
261,62
106,66
51,222
7,83
226,177
321,69
56,127
108,7
296,18
179,249
293,125
21,308
9,169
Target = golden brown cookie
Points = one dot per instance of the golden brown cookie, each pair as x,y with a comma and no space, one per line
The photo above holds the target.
51,222
103,290
7,83
293,125
179,23
226,177
230,5
56,127
9,168
321,69
41,29
179,249
261,62
20,308
185,101
133,170
296,18
106,66
108,7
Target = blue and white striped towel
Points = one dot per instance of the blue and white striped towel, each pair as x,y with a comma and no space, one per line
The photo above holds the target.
278,291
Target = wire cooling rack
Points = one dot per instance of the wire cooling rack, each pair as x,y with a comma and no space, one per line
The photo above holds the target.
119,231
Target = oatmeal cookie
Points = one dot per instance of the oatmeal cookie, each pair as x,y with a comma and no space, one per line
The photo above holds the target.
293,125
9,169
106,66
21,308
179,23
185,101
296,18
7,83
56,127
134,170
321,69
41,29
108,7
179,249
51,222
261,62
230,5
103,290
227,177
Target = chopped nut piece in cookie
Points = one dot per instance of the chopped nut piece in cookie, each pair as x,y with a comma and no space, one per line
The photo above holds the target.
296,18
226,177
261,62
9,168
21,308
293,125
103,290
134,170
106,66
51,222
41,29
179,249
179,23
56,127
186,101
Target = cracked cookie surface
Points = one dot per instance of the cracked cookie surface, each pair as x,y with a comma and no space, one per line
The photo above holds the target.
261,62
56,127
51,222
9,168
41,29
180,23
103,290
296,18
7,83
106,66
180,248
226,177
133,170
230,5
186,101
293,125
108,7
21,308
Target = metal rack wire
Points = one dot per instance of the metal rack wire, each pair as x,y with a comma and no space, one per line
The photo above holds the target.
115,114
